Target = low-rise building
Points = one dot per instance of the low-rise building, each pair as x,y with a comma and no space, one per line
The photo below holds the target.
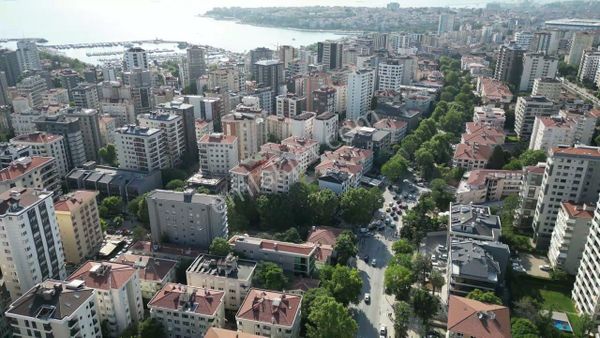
270,313
396,128
304,151
487,185
186,311
229,274
493,91
492,116
474,222
10,152
351,155
79,225
471,318
55,308
471,156
476,265
279,174
118,293
338,181
154,273
569,236
481,134
31,172
292,257
245,177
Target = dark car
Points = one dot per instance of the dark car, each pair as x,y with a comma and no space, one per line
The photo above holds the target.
366,258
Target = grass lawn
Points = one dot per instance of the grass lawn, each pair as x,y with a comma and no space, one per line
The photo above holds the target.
512,139
575,321
553,295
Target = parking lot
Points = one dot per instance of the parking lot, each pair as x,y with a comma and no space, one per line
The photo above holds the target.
531,264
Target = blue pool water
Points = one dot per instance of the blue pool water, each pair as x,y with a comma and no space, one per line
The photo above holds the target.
562,326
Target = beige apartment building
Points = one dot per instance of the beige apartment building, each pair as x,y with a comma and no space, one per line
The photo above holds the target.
79,225
218,153
270,313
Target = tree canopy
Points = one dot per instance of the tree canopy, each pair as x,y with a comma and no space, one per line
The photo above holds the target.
268,275
358,204
219,247
329,318
344,283
485,297
345,247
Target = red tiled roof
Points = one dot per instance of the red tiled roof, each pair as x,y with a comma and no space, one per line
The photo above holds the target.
270,307
582,151
472,152
208,301
347,167
324,235
578,210
390,124
74,200
280,164
149,268
479,176
494,89
249,166
535,169
18,168
215,332
268,244
556,122
464,317
115,278
305,284
37,137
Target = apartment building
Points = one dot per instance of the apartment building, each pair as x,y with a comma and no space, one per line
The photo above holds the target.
68,127
304,151
231,275
361,85
493,91
10,152
527,109
292,257
89,124
396,128
187,218
528,194
569,236
509,64
324,100
245,177
491,116
585,292
33,88
487,185
31,172
569,176
279,174
471,318
79,225
471,221
589,65
289,105
547,87
302,125
278,127
249,129
46,145
203,127
482,134
325,127
31,243
172,131
550,132
350,155
187,113
585,123
85,95
55,308
270,313
186,311
118,294
476,265
154,273
55,96
472,156
580,41
141,149
218,154
537,65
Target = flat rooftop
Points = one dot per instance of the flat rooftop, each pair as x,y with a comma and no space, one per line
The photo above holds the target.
240,269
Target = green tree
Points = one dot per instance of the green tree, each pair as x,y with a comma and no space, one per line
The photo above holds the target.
134,205
219,247
585,327
110,207
139,233
398,281
175,185
424,305
359,204
452,122
180,269
402,314
440,194
328,318
307,301
402,246
270,276
532,157
108,155
345,247
497,160
437,281
421,267
151,328
425,161
290,235
395,168
299,203
523,328
409,146
324,205
344,283
170,174
485,297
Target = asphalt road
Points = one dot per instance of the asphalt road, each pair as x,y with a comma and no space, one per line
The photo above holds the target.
370,317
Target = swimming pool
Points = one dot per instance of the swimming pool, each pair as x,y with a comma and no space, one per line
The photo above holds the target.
562,325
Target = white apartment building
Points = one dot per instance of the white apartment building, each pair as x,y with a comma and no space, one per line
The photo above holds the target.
136,58
173,132
118,294
580,42
203,127
55,308
270,313
359,93
278,175
28,55
570,176
218,154
290,105
31,243
537,65
229,274
187,218
142,149
302,125
523,39
588,66
249,129
487,185
245,178
46,145
55,96
550,132
24,122
548,87
492,116
527,108
569,236
186,311
585,123
586,290
31,172
304,151
390,74
33,88
325,128
528,195
278,127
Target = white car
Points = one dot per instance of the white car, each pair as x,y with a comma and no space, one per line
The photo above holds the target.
382,331
545,267
367,298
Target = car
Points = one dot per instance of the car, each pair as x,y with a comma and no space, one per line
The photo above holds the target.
374,262
396,198
545,267
382,331
433,257
444,256
388,210
391,204
366,258
367,298
395,218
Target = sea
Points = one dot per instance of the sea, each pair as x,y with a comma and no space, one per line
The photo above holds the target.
79,21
